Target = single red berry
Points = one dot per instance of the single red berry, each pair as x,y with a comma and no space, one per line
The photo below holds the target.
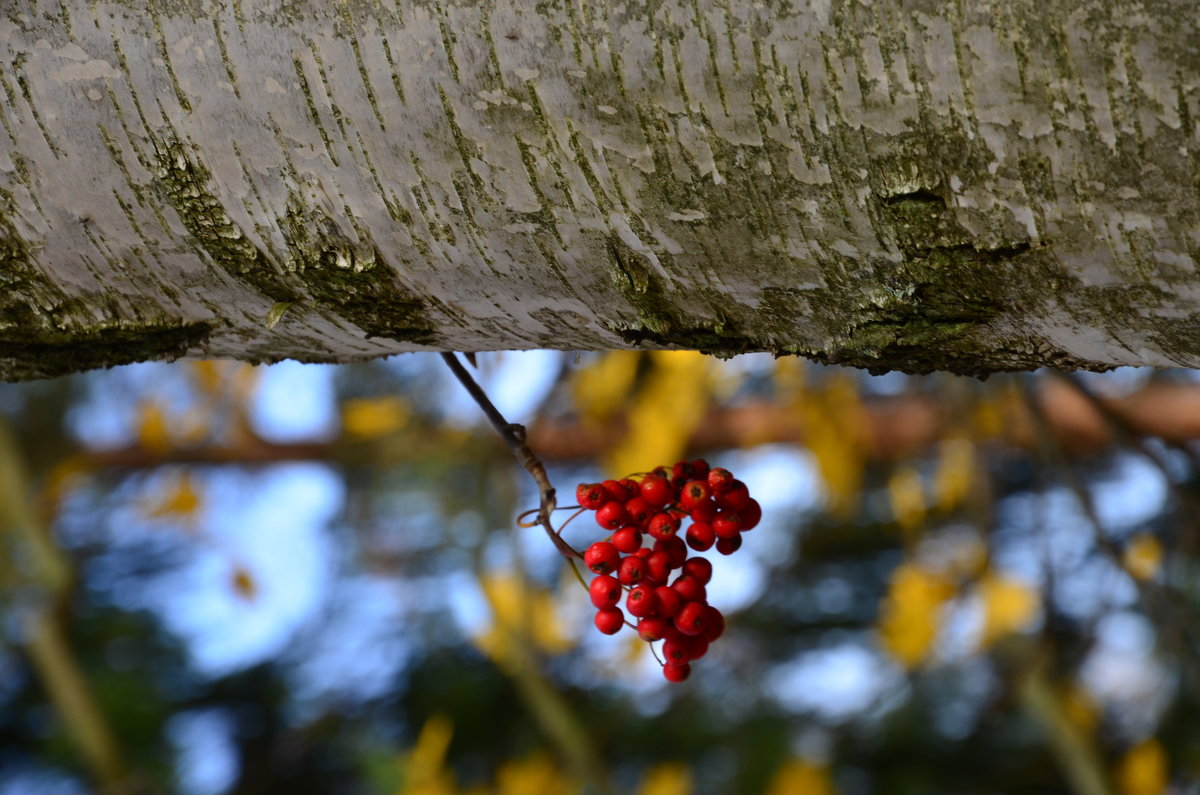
699,468
652,629
615,490
727,524
690,589
697,646
751,515
641,601
694,493
610,620
698,568
675,651
601,557
674,547
627,540
681,473
700,536
656,490
704,513
590,495
611,515
677,673
692,618
663,525
727,546
605,591
632,570
734,498
658,567
639,511
669,601
631,486
719,479
715,626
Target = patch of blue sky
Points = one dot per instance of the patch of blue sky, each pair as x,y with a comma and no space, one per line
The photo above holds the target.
515,381
276,528
468,606
837,683
39,781
1133,493
356,647
107,418
1124,673
295,402
206,760
1036,530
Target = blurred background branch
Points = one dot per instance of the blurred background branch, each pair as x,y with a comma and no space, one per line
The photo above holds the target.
42,598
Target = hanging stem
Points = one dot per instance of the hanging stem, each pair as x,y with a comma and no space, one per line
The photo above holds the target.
513,435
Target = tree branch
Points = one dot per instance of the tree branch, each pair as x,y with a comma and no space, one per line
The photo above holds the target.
513,435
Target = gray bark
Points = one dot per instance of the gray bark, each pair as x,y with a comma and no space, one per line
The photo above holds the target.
973,186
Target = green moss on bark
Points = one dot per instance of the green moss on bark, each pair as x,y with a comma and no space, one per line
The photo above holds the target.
351,278
325,268
44,333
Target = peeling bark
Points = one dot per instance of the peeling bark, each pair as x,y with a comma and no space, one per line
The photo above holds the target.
971,187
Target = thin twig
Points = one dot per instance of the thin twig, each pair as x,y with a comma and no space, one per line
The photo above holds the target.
1074,750
1121,427
1155,598
513,435
50,654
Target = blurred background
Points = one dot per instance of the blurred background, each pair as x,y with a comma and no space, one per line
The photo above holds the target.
219,578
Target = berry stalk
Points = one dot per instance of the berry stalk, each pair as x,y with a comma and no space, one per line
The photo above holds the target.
513,435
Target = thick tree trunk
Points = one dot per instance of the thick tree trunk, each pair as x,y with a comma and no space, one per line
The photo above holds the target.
973,186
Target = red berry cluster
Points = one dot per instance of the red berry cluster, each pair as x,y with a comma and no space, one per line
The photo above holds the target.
720,509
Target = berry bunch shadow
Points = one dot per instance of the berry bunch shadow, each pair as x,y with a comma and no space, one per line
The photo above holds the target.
630,572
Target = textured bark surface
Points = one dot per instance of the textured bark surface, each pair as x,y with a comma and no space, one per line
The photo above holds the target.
915,185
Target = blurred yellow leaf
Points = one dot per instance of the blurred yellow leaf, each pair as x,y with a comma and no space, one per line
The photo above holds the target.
207,375
1143,556
801,777
662,414
910,616
152,429
1080,708
906,493
371,418
833,423
990,415
424,766
534,775
788,376
65,475
243,583
242,380
601,388
522,615
1143,770
179,499
955,472
669,778
1008,606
